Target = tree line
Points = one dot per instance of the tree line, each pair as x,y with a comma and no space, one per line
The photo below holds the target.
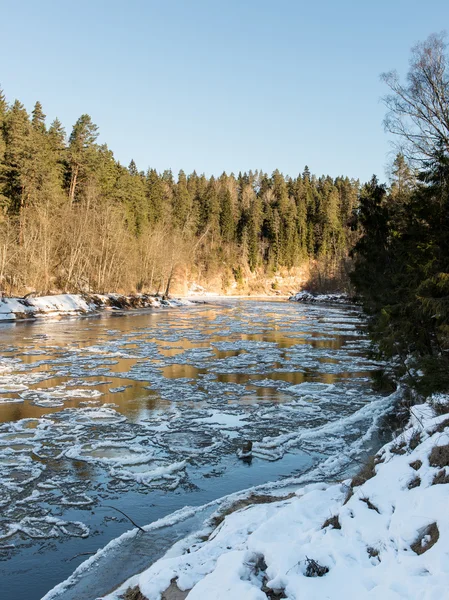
72,218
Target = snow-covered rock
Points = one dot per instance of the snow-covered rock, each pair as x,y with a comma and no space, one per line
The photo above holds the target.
12,309
309,297
27,308
384,535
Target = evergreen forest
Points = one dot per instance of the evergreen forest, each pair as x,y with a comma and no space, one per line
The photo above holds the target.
402,259
73,219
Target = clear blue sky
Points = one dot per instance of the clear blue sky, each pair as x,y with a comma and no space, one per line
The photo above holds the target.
219,85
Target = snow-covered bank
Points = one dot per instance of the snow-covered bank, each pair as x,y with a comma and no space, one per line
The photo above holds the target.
384,535
309,297
14,309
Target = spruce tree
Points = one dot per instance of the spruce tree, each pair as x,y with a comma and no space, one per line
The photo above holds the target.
132,168
154,192
38,118
182,204
17,156
227,225
3,167
81,144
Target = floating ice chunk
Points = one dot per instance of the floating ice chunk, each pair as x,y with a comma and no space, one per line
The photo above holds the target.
310,388
44,528
96,416
10,400
170,474
226,420
77,500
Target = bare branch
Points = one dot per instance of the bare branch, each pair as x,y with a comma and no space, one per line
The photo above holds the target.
418,111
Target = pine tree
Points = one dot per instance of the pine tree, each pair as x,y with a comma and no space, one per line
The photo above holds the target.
253,229
17,156
81,144
3,167
227,225
38,118
130,191
403,180
57,146
44,167
56,135
132,168
154,191
209,210
306,174
182,204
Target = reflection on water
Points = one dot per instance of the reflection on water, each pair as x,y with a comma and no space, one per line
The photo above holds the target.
146,412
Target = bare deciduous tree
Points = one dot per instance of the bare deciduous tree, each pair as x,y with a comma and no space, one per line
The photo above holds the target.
418,111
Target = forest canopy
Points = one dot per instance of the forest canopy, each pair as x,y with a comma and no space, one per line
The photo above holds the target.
72,218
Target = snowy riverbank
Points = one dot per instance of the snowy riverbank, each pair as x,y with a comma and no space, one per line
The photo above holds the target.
309,297
383,535
14,309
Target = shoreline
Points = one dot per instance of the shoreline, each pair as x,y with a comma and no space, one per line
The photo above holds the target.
385,528
58,306
31,308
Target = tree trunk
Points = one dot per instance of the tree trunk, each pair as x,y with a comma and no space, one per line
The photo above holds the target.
73,184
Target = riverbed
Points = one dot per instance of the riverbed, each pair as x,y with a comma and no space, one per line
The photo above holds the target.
145,413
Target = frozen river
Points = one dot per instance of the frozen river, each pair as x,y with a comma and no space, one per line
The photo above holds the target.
145,412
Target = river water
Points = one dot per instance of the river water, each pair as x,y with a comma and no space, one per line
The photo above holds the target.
145,412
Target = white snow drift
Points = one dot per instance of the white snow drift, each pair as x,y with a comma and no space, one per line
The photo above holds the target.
386,539
12,309
309,297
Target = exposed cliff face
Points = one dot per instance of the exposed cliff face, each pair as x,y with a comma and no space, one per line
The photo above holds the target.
316,276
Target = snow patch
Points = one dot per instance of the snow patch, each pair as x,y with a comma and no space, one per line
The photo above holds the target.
381,543
309,297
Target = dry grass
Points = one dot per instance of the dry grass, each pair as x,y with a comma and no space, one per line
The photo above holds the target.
398,448
416,464
439,457
440,427
415,482
415,440
366,472
171,593
272,594
369,504
333,522
422,543
134,594
314,569
440,407
440,478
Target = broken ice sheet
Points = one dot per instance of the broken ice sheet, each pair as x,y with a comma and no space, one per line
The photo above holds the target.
273,373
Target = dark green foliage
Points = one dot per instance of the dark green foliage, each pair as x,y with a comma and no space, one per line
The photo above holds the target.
402,259
38,118
402,273
227,221
3,169
155,195
17,156
81,153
